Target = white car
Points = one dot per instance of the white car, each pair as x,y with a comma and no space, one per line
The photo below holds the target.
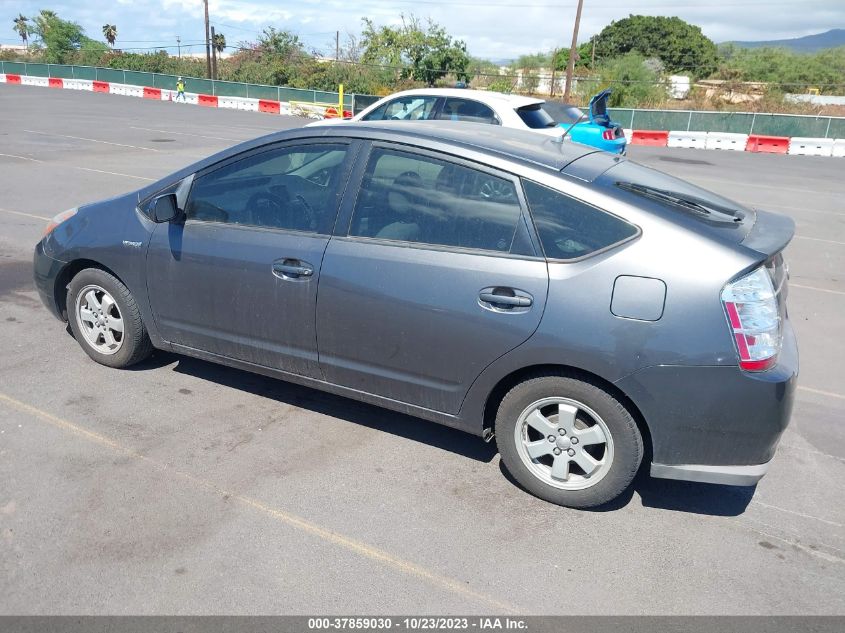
457,104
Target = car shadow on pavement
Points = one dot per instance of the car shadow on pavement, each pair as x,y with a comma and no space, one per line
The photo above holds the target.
678,496
360,413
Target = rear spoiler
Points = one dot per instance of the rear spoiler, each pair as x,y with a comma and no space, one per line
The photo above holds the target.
770,234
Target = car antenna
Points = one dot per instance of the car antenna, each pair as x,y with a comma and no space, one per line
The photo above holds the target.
577,121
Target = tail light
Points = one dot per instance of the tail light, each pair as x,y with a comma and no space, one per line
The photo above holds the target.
608,135
754,316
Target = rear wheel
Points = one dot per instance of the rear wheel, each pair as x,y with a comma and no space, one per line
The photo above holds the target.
568,441
105,319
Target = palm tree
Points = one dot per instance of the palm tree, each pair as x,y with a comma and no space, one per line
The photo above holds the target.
219,42
110,33
22,28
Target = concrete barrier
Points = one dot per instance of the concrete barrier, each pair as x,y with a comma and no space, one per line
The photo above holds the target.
2,78
117,89
228,102
690,140
135,91
250,105
801,146
654,138
207,101
35,81
268,106
152,93
839,148
55,82
100,86
726,140
13,79
767,144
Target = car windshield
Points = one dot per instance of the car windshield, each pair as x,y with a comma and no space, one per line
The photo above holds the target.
535,117
563,112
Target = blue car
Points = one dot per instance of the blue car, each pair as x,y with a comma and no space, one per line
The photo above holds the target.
595,129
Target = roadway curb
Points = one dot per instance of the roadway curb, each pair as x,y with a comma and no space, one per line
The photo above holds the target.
758,143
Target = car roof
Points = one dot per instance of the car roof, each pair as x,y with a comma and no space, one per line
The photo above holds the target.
523,145
498,142
484,96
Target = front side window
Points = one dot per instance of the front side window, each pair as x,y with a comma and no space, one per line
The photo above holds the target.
294,188
535,117
413,198
467,110
569,228
410,108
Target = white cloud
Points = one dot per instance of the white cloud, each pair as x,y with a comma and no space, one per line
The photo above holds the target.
490,28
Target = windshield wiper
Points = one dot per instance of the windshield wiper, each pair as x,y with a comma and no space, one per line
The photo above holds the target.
688,202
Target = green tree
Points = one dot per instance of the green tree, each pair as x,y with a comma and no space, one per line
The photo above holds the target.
421,53
634,84
110,33
682,47
22,28
58,38
219,42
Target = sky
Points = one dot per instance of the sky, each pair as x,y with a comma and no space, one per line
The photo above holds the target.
492,29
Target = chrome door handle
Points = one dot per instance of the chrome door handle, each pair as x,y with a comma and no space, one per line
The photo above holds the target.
292,268
519,302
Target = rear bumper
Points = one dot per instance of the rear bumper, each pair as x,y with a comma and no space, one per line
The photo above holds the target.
726,475
715,424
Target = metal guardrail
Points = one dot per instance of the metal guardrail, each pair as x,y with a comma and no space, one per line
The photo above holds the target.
738,122
192,84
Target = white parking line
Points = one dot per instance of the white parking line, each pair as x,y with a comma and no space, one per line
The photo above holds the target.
835,292
798,514
99,171
820,392
217,138
818,239
28,215
92,140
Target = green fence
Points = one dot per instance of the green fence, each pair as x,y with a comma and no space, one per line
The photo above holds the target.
192,84
738,122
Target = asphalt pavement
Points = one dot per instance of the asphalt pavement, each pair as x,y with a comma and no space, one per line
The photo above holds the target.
183,487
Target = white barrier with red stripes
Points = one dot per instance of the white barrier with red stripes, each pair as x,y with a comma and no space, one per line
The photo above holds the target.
798,146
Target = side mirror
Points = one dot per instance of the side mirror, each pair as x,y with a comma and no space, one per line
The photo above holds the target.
165,208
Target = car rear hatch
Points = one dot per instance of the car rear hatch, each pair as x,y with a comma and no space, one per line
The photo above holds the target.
598,109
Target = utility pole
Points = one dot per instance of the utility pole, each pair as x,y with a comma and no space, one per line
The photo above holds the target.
552,85
213,56
573,51
593,62
337,46
208,43
179,46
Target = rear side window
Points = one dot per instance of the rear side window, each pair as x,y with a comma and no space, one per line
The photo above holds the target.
467,110
409,197
569,228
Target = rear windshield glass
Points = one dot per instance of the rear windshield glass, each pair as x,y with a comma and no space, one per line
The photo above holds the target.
535,117
678,195
564,113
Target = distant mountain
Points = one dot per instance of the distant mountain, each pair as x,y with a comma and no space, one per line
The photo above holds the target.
806,44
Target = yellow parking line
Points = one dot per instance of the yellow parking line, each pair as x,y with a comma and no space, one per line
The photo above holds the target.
359,547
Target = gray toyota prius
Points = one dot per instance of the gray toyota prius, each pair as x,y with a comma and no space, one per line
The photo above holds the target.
584,310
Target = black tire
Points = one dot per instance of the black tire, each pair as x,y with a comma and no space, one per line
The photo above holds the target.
627,440
135,344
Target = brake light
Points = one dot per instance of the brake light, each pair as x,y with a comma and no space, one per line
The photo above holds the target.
607,135
751,307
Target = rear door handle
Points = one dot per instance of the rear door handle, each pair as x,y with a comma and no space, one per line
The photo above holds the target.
506,300
292,269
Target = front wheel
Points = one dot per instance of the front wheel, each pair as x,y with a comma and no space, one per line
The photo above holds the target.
568,441
105,319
